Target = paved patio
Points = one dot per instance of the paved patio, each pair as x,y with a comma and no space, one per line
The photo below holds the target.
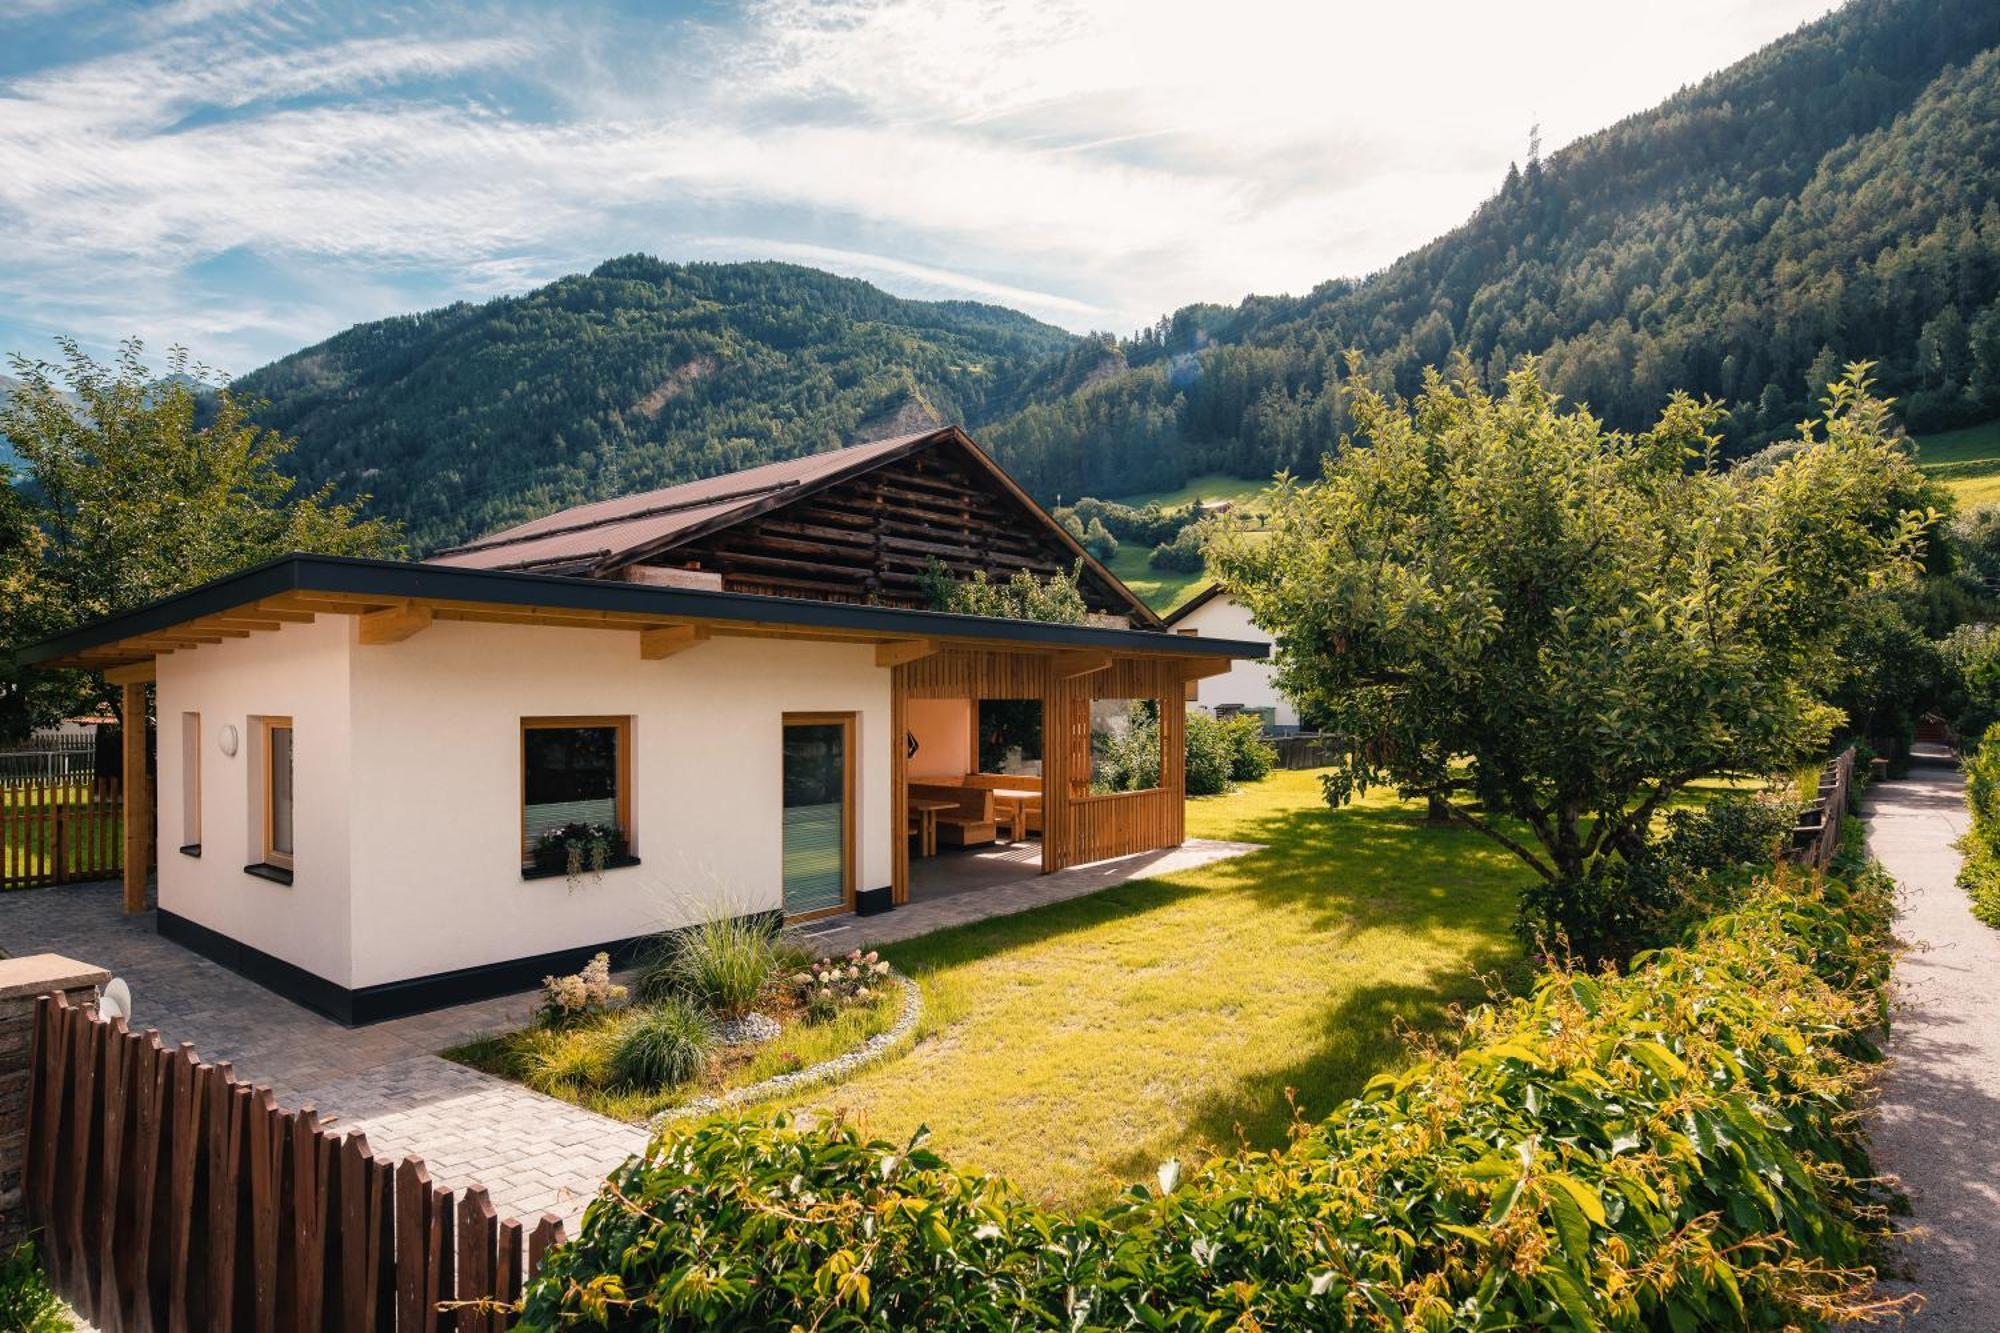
533,1153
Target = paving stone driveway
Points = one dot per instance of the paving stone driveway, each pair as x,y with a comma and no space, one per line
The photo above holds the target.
533,1153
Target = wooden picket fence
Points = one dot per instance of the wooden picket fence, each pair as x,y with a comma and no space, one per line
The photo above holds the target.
57,831
1816,836
171,1196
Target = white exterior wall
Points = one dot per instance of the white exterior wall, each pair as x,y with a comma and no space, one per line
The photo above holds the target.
1251,684
437,798
408,772
300,672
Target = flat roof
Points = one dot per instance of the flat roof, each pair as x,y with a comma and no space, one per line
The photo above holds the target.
394,582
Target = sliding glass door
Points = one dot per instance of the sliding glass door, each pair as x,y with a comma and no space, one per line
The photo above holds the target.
819,813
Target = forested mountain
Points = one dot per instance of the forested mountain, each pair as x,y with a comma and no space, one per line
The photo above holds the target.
637,375
1831,198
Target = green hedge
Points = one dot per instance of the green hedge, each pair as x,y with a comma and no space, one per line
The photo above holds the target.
1675,1148
1979,875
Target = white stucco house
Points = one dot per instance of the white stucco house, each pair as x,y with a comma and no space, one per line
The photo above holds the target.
1250,684
370,773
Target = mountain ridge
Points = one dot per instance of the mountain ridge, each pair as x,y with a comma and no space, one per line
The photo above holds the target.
1831,197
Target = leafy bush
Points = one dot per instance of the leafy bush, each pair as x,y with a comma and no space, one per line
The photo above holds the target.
27,1304
1674,1148
1644,901
581,994
1183,554
827,985
724,963
663,1044
1098,541
1979,874
1208,755
1057,600
1251,757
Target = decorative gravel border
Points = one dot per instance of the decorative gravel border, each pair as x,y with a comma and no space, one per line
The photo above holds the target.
877,1048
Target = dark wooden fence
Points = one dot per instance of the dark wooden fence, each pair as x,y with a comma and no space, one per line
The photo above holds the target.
1303,749
171,1196
1816,837
60,832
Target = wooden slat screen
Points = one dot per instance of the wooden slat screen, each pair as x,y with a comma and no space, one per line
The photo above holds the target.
171,1196
61,831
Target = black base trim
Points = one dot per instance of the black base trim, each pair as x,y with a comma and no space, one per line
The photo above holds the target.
395,999
874,902
276,874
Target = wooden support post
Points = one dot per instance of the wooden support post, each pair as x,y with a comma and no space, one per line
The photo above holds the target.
138,795
666,640
395,623
900,652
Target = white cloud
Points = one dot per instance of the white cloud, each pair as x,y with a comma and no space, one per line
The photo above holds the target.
1093,162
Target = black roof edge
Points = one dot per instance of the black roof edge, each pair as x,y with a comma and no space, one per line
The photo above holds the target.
395,579
1200,599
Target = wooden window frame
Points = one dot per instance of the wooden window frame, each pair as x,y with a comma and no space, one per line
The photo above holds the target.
191,783
270,855
621,800
850,782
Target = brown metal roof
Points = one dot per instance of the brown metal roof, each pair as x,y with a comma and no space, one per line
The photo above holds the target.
591,533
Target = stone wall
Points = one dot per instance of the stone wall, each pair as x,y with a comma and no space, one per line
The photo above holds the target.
21,981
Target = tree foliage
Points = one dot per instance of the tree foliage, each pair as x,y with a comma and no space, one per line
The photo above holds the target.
1554,627
137,486
1056,599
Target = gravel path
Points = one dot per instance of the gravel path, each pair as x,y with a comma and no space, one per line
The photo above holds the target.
1939,1121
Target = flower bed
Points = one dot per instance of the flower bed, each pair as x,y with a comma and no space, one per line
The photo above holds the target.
634,1059
1673,1148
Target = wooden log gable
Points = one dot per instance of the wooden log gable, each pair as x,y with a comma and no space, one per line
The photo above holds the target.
868,538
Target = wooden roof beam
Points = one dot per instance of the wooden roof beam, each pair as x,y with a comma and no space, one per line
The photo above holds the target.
664,641
1069,666
395,624
901,652
1194,668
138,673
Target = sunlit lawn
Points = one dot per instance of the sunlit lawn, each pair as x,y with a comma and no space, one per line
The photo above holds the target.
1075,1047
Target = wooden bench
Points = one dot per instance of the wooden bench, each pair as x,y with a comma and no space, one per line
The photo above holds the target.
1031,811
969,822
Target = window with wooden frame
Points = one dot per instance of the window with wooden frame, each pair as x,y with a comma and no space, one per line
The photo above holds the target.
191,783
575,771
275,765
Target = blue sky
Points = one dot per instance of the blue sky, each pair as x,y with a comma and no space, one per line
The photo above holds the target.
245,179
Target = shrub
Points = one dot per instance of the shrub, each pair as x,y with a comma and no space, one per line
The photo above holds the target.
1675,1148
1251,757
1183,554
1098,541
1979,875
1209,754
828,986
581,994
1645,901
661,1045
27,1303
724,963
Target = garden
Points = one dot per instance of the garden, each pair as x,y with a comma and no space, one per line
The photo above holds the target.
712,1011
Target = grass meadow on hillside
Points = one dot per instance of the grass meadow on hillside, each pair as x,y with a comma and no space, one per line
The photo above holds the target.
1967,461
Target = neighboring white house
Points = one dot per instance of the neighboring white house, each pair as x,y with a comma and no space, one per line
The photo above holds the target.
1250,684
357,758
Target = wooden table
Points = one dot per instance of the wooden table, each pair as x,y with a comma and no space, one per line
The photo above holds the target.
927,813
1017,798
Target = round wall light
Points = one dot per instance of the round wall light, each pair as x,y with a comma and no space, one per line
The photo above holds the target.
226,738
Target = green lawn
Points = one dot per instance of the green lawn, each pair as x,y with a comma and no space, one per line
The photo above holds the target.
1210,486
1967,461
1161,589
1074,1048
